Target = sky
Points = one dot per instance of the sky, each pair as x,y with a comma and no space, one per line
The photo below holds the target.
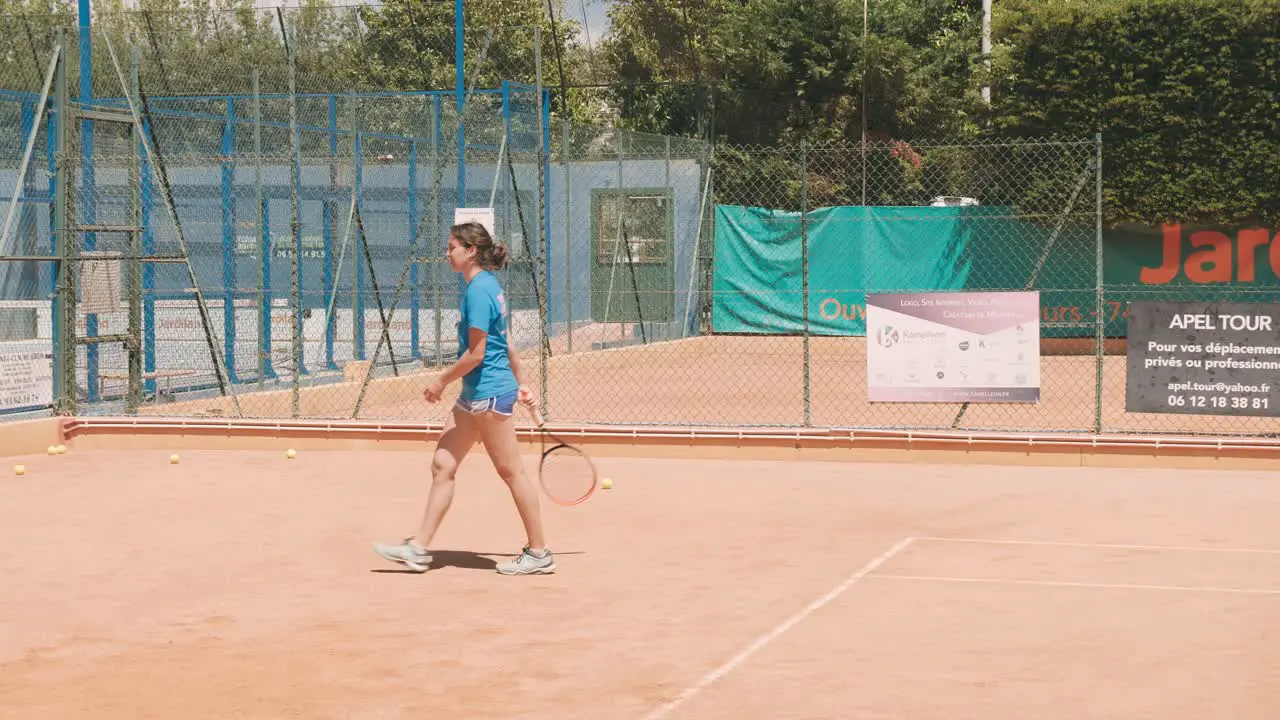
597,16
596,13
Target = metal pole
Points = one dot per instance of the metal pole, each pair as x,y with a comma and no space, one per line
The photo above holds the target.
330,327
89,192
507,184
146,191
295,279
460,81
29,152
986,46
415,331
133,398
804,274
64,301
862,112
357,258
229,241
264,233
85,18
675,245
437,270
1100,283
544,236
694,264
568,243
621,207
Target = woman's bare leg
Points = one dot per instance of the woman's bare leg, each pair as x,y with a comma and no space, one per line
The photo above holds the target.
498,433
460,434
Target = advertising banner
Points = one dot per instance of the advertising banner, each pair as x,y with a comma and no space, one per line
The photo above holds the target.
953,347
26,376
1203,358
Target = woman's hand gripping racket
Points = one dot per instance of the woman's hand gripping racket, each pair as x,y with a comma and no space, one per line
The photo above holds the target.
567,475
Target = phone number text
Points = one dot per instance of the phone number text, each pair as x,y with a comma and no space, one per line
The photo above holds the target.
1218,401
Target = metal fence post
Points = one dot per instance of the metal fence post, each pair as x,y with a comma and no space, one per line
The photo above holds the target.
147,202
133,347
415,220
357,259
544,217
327,219
1100,281
264,233
568,242
295,276
804,274
64,302
227,197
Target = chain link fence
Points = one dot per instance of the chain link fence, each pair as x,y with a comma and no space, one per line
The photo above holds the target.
804,235
253,224
26,203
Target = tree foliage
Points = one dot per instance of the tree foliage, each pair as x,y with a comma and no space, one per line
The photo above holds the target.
783,71
1185,93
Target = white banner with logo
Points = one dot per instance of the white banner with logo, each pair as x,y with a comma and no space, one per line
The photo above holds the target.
953,347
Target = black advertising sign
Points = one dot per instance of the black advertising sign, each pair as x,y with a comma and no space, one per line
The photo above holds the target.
1203,358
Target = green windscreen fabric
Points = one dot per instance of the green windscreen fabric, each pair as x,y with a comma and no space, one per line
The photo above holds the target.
758,284
758,281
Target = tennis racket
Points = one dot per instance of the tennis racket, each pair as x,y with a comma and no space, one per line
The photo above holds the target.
567,475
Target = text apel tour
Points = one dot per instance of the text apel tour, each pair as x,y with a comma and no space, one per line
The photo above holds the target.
1224,322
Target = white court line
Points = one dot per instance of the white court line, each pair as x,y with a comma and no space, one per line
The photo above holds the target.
1054,583
1055,543
773,634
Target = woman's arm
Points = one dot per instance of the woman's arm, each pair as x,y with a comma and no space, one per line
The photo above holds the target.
517,368
467,362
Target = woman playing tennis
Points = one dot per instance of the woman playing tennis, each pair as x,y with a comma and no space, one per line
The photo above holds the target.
493,381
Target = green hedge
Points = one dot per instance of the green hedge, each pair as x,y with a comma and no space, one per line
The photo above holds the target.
1186,94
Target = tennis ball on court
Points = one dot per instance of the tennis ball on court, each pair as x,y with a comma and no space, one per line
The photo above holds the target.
173,459
291,454
62,449
53,449
19,470
607,483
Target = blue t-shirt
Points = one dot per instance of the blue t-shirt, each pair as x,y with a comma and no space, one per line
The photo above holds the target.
484,307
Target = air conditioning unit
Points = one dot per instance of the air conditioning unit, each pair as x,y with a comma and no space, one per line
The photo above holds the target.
953,201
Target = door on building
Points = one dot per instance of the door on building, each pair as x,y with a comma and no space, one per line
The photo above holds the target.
633,255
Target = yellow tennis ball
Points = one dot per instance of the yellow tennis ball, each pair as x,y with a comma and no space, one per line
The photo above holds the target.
291,454
19,470
53,449
173,459
607,483
62,449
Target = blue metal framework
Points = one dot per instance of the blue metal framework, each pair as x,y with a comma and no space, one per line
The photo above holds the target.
229,192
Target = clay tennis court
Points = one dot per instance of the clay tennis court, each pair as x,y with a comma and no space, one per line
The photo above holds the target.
241,584
740,381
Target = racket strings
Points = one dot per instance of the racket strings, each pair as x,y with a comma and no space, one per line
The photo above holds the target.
567,475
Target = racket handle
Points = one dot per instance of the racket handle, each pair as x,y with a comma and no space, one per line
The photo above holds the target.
537,416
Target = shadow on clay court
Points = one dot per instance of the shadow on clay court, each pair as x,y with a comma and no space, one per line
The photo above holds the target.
464,559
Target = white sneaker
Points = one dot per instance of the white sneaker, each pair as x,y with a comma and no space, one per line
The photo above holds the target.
406,553
527,563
